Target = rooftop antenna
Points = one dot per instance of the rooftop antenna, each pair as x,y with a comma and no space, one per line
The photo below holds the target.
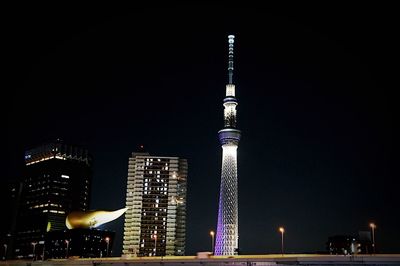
231,40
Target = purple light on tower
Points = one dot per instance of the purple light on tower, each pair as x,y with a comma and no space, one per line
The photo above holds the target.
227,229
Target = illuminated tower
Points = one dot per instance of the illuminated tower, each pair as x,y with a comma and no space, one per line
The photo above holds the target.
229,136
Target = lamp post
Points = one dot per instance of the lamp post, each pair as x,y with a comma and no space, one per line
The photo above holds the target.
212,241
155,244
373,226
33,250
108,242
66,251
282,230
5,251
44,246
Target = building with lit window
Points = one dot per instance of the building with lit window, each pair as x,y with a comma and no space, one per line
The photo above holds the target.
155,221
350,244
79,243
56,181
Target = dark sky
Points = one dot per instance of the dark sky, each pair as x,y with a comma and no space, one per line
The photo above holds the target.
316,108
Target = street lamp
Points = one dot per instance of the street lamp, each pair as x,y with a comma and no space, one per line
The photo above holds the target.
108,242
212,241
282,230
33,251
155,244
373,226
43,250
5,251
66,251
44,246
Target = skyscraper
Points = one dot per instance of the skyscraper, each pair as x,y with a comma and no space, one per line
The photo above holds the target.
56,181
155,222
227,228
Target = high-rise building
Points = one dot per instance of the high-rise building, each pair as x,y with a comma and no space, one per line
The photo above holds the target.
56,181
155,221
229,136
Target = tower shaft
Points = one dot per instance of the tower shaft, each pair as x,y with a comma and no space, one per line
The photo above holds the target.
229,136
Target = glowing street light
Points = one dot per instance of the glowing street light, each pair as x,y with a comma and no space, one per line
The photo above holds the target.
33,251
66,251
373,226
282,230
108,242
212,241
5,251
155,244
43,250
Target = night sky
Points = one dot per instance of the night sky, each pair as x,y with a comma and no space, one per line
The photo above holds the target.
316,109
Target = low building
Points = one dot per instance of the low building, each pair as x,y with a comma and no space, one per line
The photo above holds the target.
349,244
79,242
342,245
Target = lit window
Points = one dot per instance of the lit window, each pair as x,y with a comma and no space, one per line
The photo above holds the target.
65,176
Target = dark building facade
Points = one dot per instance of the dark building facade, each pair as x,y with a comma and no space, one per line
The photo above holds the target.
350,245
82,243
342,245
10,192
56,181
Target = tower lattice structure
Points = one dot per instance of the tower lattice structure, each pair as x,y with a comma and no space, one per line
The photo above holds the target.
227,228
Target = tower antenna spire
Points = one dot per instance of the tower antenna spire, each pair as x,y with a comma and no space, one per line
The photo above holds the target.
231,41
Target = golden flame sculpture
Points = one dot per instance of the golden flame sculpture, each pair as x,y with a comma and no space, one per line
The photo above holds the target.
91,219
